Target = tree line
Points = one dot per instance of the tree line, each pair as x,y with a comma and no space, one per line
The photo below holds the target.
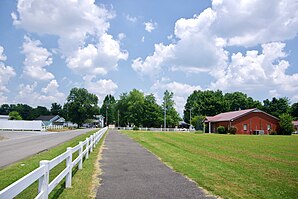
140,110
137,109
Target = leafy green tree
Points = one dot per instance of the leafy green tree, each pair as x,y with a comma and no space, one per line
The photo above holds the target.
56,109
14,115
205,103
82,105
38,111
135,107
23,109
122,109
5,109
172,116
108,109
152,116
276,106
240,101
286,125
197,122
294,111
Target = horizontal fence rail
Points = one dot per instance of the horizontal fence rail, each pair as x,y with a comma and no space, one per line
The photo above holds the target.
42,173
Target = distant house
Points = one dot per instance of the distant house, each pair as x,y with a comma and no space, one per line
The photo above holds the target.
4,117
249,121
99,121
295,123
49,120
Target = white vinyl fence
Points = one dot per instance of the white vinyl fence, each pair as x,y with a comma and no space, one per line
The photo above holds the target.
155,129
43,171
53,127
20,125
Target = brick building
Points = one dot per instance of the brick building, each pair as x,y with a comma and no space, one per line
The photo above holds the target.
249,121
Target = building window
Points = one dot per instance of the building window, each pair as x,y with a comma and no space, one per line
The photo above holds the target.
245,127
269,127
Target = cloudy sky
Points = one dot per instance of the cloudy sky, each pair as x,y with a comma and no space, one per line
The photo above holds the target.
112,46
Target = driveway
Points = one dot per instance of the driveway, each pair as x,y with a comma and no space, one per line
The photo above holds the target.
18,145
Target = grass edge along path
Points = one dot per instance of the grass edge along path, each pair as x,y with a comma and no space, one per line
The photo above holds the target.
13,172
87,180
229,166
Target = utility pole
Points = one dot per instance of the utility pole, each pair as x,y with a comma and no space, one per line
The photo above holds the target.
190,117
106,115
118,117
165,116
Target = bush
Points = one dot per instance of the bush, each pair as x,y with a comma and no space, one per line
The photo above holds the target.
273,133
221,130
232,130
135,128
286,125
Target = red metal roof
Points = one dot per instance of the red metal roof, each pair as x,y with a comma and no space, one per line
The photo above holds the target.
228,116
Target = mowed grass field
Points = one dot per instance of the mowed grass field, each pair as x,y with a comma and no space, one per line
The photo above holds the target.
230,166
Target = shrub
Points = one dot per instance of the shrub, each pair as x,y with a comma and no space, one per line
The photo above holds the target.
273,133
135,128
286,125
232,130
221,130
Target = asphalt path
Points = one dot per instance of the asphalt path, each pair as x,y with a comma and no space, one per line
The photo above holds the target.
130,171
18,145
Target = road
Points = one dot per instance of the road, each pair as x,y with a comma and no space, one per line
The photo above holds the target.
19,145
130,171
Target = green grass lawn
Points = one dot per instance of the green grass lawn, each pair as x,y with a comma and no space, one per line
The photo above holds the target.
81,181
230,166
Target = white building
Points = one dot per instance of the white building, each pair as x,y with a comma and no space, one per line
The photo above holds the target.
4,117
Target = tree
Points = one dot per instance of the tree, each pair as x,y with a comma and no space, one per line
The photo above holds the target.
108,109
135,107
286,125
205,103
56,109
276,106
14,115
294,111
23,109
172,116
82,105
38,111
152,116
197,122
5,109
240,101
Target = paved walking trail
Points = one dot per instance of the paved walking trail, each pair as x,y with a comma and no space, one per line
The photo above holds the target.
130,171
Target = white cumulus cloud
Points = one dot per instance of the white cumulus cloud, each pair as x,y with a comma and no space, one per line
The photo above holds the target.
100,87
181,91
36,59
263,72
150,26
30,95
81,27
6,73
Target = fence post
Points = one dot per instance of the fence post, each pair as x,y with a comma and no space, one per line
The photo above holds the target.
81,154
43,182
69,165
91,143
95,137
87,148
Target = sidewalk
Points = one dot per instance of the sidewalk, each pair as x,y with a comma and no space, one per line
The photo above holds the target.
130,171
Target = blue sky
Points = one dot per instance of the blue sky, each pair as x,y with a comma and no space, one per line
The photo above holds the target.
111,47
